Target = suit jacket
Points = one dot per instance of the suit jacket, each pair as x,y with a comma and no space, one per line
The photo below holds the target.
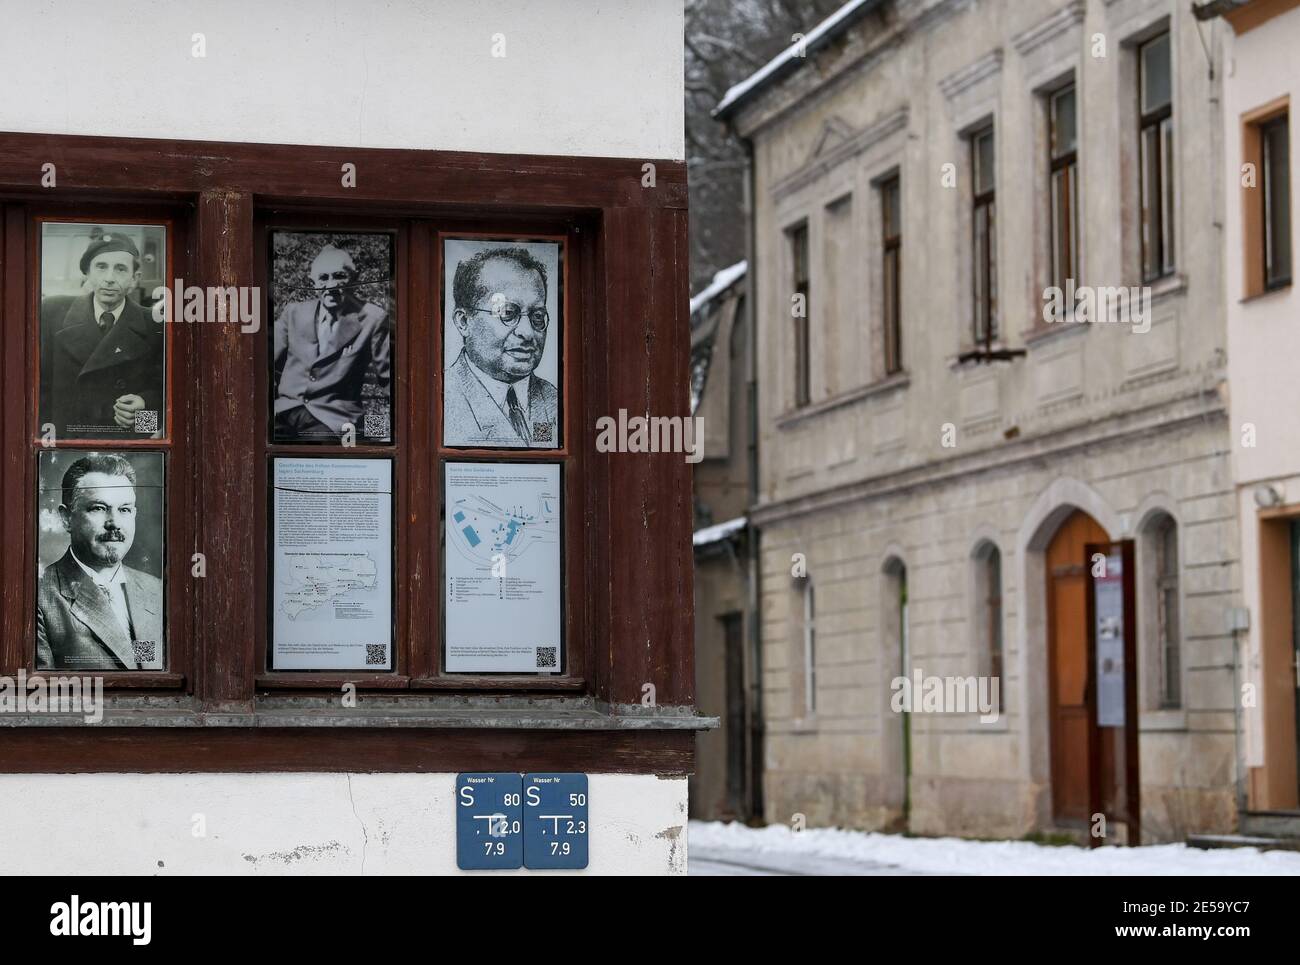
329,386
472,417
84,371
75,626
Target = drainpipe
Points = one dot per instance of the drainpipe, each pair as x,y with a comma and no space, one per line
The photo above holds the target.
753,620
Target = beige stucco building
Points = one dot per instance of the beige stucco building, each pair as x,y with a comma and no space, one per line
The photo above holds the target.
938,460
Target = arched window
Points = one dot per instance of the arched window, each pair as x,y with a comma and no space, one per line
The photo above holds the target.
987,621
1162,542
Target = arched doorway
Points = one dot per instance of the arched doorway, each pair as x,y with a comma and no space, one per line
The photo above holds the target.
1067,664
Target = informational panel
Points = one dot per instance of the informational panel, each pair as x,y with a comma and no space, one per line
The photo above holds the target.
1108,607
555,821
332,584
488,823
502,573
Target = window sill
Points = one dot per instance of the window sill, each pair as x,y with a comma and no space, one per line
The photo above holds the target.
441,713
1050,332
1172,284
1265,293
899,380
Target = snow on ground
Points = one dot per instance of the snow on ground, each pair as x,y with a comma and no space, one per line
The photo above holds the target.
717,848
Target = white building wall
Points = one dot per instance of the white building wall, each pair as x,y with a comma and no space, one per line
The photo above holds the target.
267,824
579,77
1263,339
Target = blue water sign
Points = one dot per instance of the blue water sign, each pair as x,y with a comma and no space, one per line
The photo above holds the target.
489,834
555,820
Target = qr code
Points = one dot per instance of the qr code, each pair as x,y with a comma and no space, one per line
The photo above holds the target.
146,651
542,431
146,421
375,425
376,655
546,656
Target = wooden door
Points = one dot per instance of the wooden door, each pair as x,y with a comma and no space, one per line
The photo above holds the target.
1067,663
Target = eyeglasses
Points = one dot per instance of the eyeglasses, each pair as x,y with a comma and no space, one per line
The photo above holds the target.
510,313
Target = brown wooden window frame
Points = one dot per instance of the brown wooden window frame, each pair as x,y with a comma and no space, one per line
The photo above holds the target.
984,257
1274,210
800,272
1063,193
1255,230
623,582
1155,171
891,272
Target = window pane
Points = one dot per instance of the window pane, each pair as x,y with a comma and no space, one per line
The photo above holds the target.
992,274
891,306
889,204
1063,122
1277,201
1152,203
799,244
979,270
983,154
1155,74
1167,195
1064,232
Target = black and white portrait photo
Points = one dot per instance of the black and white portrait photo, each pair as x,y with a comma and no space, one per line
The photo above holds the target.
103,359
99,597
332,298
501,343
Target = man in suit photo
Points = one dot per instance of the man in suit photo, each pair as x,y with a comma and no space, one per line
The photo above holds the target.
323,350
101,353
93,612
493,396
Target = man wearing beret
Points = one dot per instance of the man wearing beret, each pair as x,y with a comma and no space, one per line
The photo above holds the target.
101,353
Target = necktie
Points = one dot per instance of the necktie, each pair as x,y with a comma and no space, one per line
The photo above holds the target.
517,417
106,321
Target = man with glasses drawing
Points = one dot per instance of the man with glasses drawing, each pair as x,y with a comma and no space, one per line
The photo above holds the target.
492,396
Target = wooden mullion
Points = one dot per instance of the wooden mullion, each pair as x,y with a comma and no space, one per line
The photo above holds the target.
227,453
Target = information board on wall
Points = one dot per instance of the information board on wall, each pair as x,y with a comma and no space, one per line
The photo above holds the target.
332,583
502,573
1109,608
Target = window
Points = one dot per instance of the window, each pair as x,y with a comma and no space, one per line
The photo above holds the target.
1156,158
1266,198
1063,158
809,650
988,613
984,269
891,273
799,313
189,480
1275,180
1164,540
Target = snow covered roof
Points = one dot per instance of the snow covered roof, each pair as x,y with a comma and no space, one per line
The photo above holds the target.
790,58
721,282
719,532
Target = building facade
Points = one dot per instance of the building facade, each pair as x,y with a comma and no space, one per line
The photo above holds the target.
942,437
1260,84
728,780
484,121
